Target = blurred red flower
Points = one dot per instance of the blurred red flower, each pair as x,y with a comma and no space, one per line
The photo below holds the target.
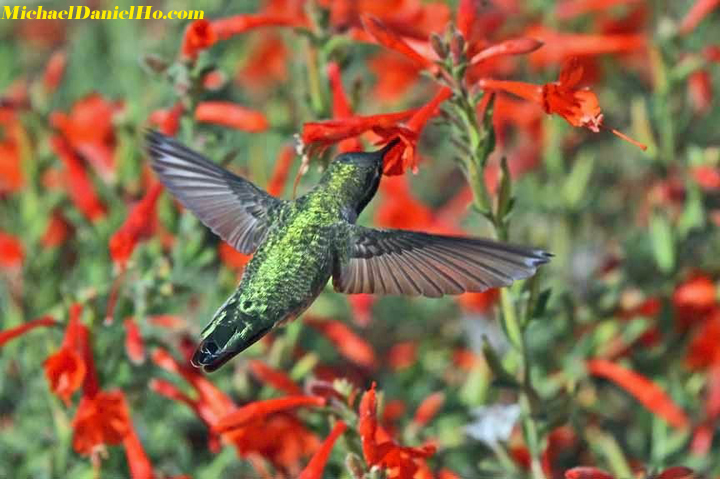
12,145
231,257
230,115
12,252
65,369
579,107
79,186
54,71
88,130
428,408
199,35
274,377
348,344
280,174
134,343
137,226
399,462
58,231
266,66
696,14
12,333
100,419
694,299
314,469
168,120
587,472
643,389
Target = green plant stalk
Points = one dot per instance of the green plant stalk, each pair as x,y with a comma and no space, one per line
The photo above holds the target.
480,148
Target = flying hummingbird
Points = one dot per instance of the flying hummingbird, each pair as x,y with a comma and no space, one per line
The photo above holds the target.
299,245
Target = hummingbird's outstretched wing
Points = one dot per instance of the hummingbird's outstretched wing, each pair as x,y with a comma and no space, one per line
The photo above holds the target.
232,207
410,263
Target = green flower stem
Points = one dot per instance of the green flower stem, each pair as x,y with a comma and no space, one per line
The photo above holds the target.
480,144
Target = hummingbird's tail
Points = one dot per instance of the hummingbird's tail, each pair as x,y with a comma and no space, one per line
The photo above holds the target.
229,333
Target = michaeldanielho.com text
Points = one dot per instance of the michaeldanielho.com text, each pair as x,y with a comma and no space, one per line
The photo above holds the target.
85,13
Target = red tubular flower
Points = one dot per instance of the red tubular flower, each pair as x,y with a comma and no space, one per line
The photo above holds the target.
199,35
54,71
168,120
394,74
57,231
698,12
579,107
479,302
703,351
12,252
225,28
138,461
389,39
266,66
12,333
516,46
587,473
402,355
569,9
644,390
66,370
314,469
137,226
361,305
700,91
100,419
259,409
274,377
678,472
79,186
403,156
277,182
694,299
134,344
230,115
427,409
707,177
558,47
466,18
322,134
349,344
88,129
399,461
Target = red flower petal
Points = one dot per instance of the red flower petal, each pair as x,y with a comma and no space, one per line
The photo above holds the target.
698,12
198,36
277,182
168,120
12,333
230,115
134,344
56,232
392,41
274,377
54,71
138,461
678,472
314,469
225,28
349,344
516,46
367,425
12,252
101,419
644,390
259,409
138,225
429,408
587,473
341,107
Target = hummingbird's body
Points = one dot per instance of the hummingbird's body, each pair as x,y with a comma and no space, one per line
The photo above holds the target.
299,245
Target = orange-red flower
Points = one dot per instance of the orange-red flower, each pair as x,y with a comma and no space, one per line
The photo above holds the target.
703,351
314,469
138,461
428,408
12,145
168,120
199,35
100,419
137,226
66,370
280,174
349,344
399,462
390,40
516,46
134,344
12,333
694,299
57,231
79,186
578,106
698,12
266,66
257,410
88,130
587,473
641,388
395,75
231,257
54,71
231,115
341,106
12,252
274,377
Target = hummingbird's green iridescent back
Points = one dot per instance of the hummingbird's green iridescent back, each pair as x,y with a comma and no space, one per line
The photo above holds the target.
299,245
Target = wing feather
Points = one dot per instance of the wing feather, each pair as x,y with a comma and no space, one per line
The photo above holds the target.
232,207
410,263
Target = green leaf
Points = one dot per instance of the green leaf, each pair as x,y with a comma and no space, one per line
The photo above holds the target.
575,187
663,242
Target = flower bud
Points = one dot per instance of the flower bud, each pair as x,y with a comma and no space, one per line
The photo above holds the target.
457,47
439,46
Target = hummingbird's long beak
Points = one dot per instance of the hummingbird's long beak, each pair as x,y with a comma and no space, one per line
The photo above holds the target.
385,149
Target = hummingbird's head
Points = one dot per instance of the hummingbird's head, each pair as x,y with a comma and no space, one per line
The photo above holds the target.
224,338
356,175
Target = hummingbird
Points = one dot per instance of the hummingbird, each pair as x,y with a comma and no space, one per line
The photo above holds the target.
299,245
